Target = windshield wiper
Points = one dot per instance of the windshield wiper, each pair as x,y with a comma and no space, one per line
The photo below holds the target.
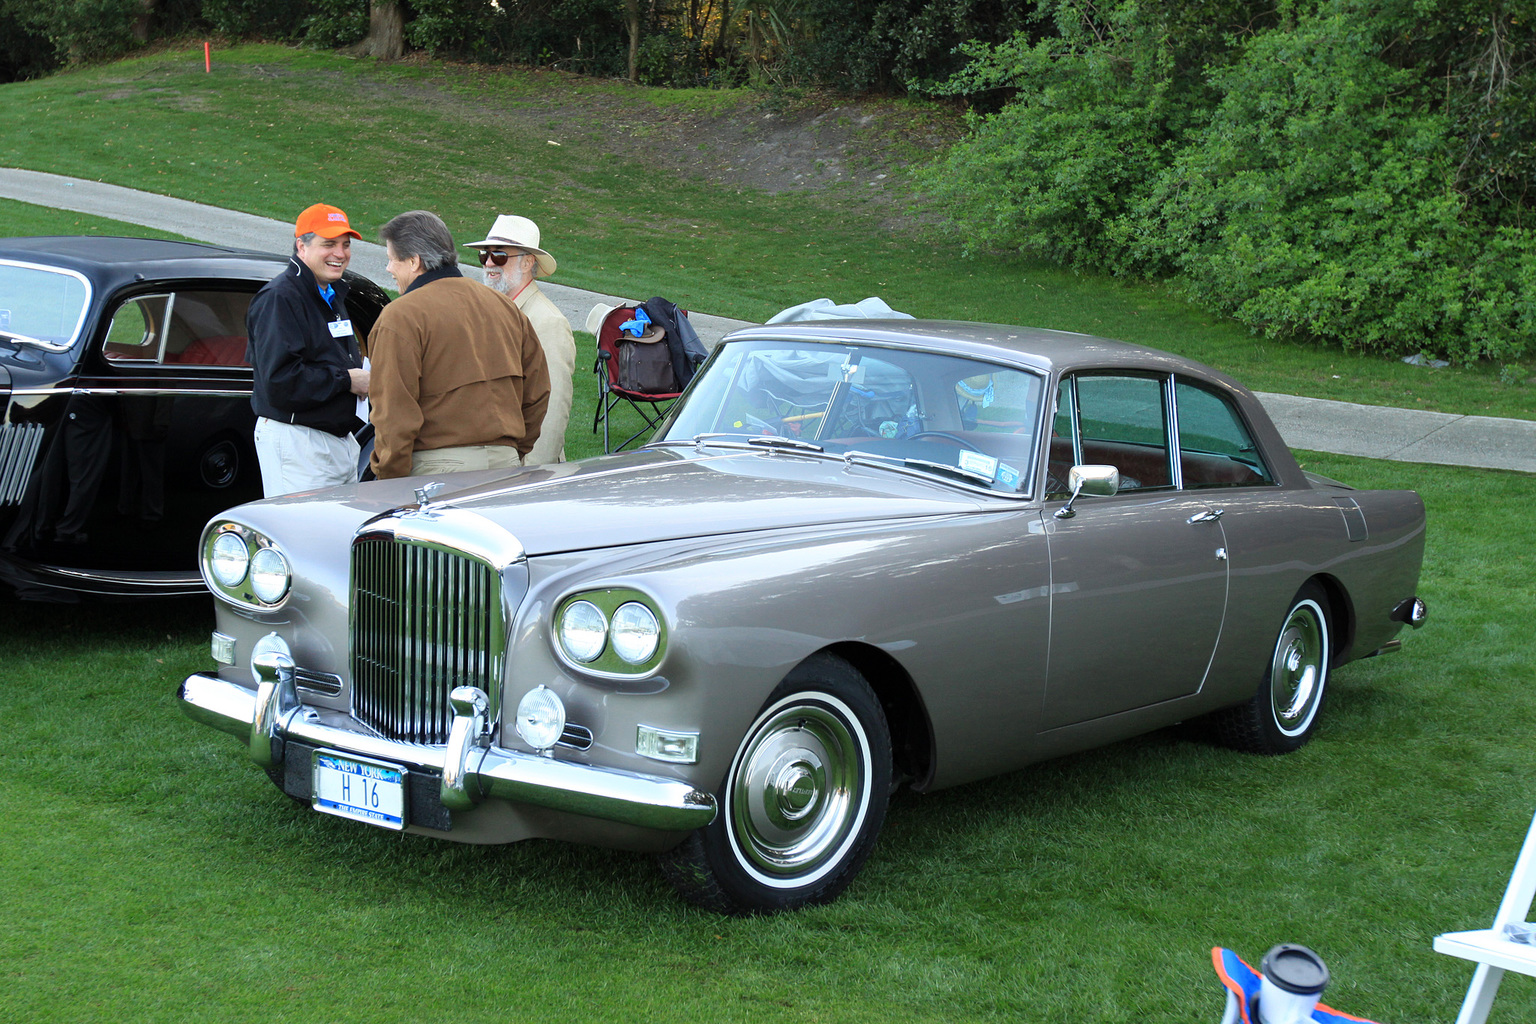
34,343
775,441
733,440
941,467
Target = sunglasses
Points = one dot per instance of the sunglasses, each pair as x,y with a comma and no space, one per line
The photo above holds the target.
498,257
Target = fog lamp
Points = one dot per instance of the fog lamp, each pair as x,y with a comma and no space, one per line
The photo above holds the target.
666,745
268,645
540,718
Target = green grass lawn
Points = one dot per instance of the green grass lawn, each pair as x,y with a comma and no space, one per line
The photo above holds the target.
153,874
149,872
272,130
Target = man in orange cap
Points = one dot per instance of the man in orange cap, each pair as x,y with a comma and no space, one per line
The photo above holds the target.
308,366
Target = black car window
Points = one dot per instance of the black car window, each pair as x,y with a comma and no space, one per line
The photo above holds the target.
1123,423
1215,448
185,327
41,306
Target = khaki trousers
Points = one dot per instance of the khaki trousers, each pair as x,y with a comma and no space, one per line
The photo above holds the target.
462,460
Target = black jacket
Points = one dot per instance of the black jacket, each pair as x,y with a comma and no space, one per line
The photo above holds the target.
301,369
683,343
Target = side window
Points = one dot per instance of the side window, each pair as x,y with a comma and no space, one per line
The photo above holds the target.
1123,424
136,330
1215,448
202,327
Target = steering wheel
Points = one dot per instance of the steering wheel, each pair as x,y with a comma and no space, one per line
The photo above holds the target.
962,442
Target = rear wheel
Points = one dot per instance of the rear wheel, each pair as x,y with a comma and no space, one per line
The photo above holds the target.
1283,715
802,803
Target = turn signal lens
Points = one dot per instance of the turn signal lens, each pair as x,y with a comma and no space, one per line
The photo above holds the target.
541,718
662,745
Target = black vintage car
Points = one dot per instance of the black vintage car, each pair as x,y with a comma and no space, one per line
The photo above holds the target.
127,408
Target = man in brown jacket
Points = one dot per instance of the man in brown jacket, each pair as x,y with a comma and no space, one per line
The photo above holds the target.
459,381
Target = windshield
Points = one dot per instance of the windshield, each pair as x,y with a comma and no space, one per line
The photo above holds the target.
43,307
958,418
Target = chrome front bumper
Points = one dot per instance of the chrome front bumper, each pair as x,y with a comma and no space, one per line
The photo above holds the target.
472,768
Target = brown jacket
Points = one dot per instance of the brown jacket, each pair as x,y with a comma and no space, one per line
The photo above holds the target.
454,364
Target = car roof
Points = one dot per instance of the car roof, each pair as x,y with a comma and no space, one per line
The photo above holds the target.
109,262
1034,347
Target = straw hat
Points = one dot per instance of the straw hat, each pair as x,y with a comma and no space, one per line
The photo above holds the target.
518,233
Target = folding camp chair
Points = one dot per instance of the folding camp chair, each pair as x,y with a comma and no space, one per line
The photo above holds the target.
651,407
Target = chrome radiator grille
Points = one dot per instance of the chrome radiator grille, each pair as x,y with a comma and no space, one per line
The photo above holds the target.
425,619
18,450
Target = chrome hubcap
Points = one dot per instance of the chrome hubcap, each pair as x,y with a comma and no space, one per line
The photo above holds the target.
796,790
1297,672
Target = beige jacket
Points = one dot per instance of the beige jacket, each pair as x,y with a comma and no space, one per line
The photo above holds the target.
559,345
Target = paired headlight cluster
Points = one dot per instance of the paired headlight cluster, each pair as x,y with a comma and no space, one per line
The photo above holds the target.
244,566
616,631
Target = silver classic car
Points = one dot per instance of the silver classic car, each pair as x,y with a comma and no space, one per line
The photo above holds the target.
856,554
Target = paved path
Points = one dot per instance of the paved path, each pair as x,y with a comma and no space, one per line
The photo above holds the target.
1376,432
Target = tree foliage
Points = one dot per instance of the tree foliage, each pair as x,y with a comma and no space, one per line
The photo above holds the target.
1348,171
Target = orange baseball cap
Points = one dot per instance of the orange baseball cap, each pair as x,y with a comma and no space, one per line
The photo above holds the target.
325,221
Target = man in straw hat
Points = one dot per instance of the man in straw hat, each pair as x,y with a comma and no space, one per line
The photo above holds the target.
512,259
308,368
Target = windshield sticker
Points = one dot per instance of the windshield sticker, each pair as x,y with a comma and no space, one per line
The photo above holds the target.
1008,476
975,462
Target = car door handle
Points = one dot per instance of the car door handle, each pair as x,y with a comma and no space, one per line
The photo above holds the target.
1210,515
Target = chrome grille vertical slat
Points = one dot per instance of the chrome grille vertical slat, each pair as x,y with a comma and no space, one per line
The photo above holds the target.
425,619
18,451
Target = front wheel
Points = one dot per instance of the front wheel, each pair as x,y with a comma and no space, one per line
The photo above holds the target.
802,803
1283,715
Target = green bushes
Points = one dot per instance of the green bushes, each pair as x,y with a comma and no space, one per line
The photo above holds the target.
1308,185
73,29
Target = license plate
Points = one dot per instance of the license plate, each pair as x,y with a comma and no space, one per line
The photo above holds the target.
356,788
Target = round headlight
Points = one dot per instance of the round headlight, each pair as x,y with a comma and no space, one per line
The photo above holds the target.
583,631
635,632
229,558
540,718
269,575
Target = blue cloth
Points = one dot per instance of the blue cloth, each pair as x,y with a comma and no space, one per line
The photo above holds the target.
639,324
328,293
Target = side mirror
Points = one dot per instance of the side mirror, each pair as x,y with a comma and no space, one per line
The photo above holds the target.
1100,481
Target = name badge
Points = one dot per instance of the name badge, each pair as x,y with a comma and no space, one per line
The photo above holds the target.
341,328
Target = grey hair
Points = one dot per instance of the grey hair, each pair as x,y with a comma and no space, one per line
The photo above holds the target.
305,239
420,233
